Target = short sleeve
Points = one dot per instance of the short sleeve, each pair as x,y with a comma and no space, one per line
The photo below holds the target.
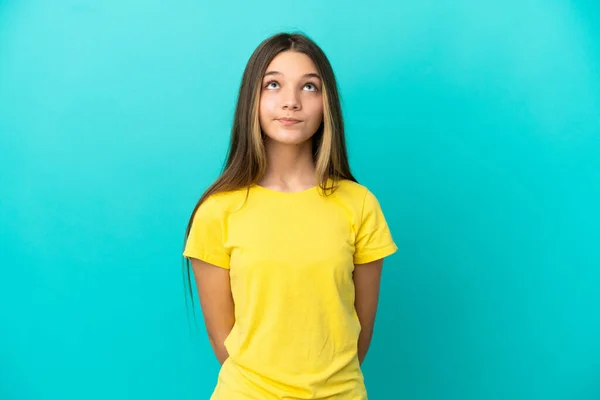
205,240
373,239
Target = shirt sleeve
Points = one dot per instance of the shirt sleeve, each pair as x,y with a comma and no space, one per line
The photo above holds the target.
205,240
373,239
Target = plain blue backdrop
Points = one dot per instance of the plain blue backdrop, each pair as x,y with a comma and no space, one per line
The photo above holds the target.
477,125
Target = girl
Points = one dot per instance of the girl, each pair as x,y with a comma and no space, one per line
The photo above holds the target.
286,247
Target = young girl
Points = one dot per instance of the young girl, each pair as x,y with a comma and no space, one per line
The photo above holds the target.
286,247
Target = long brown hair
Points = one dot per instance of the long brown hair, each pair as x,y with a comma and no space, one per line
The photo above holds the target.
246,157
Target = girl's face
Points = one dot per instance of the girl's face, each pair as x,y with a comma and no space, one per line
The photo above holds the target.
291,103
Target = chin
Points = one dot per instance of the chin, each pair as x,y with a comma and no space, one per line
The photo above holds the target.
289,137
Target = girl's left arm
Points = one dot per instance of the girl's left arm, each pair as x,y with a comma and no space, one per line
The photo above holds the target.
367,278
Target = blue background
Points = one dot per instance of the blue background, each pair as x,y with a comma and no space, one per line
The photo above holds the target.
477,125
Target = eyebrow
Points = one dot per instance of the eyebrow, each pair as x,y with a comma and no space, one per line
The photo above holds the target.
309,75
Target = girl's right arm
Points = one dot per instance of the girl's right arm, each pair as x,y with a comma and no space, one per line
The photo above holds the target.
214,290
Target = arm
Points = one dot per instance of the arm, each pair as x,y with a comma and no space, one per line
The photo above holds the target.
214,290
367,278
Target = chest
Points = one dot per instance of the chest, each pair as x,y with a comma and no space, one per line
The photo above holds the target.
310,239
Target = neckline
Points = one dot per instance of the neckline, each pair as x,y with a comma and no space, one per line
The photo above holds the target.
278,192
289,194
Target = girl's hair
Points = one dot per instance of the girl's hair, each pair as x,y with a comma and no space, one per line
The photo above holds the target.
246,159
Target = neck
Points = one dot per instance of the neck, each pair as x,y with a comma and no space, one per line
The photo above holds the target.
290,167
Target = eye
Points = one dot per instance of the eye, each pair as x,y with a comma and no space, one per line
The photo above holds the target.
314,87
270,83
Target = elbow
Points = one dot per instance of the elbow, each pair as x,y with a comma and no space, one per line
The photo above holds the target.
366,335
213,342
366,330
218,346
217,340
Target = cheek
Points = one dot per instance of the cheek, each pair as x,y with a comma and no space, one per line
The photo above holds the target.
321,110
266,106
316,110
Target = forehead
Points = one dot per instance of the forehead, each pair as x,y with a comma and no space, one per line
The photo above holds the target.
292,64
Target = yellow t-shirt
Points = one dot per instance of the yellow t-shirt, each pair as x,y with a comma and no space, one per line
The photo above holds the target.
290,257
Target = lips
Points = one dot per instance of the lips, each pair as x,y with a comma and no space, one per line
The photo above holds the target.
288,121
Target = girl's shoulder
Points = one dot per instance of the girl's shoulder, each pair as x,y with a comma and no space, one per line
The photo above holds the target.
359,197
352,191
225,201
348,186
